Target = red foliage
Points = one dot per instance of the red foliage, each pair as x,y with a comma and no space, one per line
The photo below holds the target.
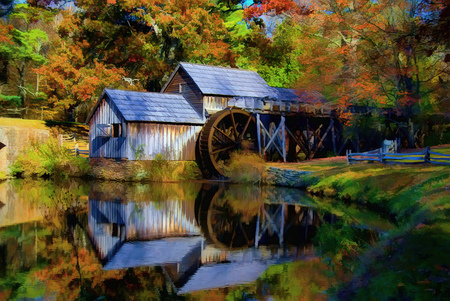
5,33
274,7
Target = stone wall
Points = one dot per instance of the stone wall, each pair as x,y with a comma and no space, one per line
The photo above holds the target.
111,169
15,140
286,177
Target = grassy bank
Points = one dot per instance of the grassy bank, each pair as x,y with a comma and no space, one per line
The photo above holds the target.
411,262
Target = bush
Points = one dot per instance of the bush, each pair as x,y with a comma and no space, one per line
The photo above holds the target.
12,100
49,159
162,170
245,167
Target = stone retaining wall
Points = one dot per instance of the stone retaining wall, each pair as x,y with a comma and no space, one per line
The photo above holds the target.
286,177
15,140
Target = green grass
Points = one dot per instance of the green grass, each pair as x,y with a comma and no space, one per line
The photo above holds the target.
409,263
25,123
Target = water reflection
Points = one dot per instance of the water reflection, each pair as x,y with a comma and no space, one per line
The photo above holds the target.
228,235
80,240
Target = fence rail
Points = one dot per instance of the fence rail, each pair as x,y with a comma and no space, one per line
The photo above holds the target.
401,158
70,139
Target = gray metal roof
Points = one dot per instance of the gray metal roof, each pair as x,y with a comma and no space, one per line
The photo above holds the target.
299,96
213,80
153,107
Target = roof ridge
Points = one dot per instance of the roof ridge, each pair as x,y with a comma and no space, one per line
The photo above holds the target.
220,67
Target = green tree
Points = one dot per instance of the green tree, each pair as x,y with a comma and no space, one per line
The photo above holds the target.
22,48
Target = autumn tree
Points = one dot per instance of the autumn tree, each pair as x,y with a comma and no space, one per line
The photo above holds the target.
70,82
375,51
22,46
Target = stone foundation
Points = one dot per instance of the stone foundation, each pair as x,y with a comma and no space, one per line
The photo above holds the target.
286,177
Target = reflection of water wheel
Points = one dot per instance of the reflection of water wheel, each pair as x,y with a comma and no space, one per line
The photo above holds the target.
224,132
221,224
227,228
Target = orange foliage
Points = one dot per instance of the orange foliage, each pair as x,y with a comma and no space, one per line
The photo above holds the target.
275,7
5,31
68,82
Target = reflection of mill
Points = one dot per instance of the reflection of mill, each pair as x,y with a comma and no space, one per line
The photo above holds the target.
226,237
273,220
270,222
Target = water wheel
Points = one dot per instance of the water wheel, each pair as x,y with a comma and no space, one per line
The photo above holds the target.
224,132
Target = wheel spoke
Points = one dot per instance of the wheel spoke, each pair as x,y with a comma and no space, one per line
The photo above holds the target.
234,125
223,149
245,127
225,134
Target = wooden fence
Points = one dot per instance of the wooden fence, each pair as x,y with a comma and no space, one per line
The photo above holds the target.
403,158
71,142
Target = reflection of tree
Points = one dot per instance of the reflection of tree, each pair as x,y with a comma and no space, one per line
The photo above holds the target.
74,272
19,249
302,280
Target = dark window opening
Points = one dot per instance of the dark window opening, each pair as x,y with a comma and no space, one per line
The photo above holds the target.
116,130
115,230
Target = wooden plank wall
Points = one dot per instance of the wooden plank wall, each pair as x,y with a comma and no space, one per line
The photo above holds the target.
193,93
214,104
173,141
107,147
140,221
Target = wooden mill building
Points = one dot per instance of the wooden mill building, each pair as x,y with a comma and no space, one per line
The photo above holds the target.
139,125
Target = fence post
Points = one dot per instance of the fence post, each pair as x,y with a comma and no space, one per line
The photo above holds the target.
381,154
427,154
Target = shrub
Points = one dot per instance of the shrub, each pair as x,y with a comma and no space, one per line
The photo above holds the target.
48,159
12,100
162,170
245,167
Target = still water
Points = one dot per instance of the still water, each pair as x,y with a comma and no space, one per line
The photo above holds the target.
117,241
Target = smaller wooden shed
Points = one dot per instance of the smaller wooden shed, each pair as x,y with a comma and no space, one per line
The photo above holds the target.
139,125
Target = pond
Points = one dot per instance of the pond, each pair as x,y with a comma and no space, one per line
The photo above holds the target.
117,241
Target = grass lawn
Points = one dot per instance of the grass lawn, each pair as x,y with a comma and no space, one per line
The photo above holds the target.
25,123
80,129
417,197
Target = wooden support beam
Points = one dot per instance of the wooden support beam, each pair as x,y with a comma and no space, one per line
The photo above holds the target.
272,139
299,143
333,137
258,132
307,139
323,138
342,146
283,136
282,217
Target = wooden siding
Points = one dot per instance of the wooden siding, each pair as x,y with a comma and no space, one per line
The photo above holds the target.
193,94
173,141
138,221
214,104
107,147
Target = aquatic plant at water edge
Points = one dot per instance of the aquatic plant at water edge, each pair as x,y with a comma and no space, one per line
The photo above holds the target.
245,167
162,170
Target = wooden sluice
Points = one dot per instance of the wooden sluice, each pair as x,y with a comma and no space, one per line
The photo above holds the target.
284,124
